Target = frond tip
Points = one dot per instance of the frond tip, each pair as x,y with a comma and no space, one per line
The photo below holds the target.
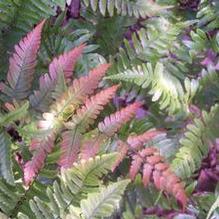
65,63
22,65
113,123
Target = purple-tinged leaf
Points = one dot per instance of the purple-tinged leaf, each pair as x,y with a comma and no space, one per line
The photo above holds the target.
22,65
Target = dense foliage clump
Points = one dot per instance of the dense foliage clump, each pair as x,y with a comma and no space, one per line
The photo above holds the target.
109,109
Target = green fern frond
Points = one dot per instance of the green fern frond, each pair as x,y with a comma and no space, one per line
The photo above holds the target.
86,173
75,183
5,142
137,9
5,161
213,208
60,38
103,203
195,143
18,17
15,114
208,15
208,86
21,15
198,43
161,85
155,43
14,199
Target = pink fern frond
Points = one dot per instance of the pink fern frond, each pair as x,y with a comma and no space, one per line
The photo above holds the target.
41,99
70,147
79,91
22,64
86,85
65,63
135,166
122,152
33,167
90,148
147,171
86,115
114,122
140,140
157,171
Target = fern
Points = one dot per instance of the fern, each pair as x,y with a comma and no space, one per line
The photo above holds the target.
88,113
155,43
61,123
21,15
208,86
18,197
124,7
48,82
107,129
152,165
5,149
76,183
22,63
113,123
194,144
5,163
208,15
164,88
104,202
71,106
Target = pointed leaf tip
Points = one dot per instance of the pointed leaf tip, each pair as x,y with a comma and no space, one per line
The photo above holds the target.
65,63
22,64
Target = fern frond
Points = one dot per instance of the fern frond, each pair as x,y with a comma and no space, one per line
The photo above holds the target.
8,197
5,142
60,67
86,173
64,64
195,143
135,166
164,88
18,198
42,147
86,115
5,161
79,90
123,7
70,147
16,113
114,122
152,166
103,203
22,65
155,167
154,43
140,140
208,15
208,86
123,150
22,15
91,147
75,184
